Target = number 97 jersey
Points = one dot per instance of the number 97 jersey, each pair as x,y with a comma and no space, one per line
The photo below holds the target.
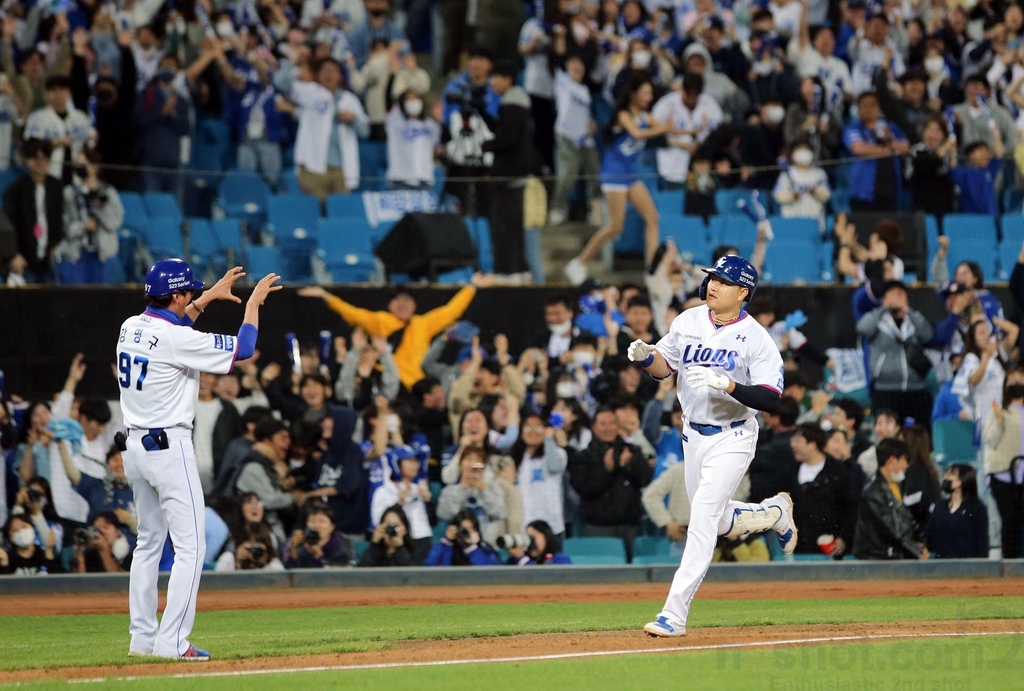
158,365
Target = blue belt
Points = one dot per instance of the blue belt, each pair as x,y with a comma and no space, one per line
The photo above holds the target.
708,430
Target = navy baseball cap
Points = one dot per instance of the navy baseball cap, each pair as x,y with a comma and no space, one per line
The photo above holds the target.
170,276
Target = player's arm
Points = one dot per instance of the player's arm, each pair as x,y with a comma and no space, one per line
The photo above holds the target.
758,397
648,357
221,290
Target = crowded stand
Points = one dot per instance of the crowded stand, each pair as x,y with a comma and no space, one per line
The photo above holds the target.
870,144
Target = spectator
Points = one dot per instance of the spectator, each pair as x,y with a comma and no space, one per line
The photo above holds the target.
576,149
237,450
774,458
432,412
948,405
26,558
875,178
1002,468
331,120
341,477
911,110
541,460
538,81
162,117
391,544
762,141
694,115
971,297
896,336
873,51
609,476
825,504
256,551
976,182
103,548
701,185
462,544
405,487
34,501
513,158
34,204
979,381
378,26
885,527
928,169
812,52
483,378
262,121
67,129
559,311
412,331
319,545
959,527
887,426
116,134
413,139
110,493
545,547
264,472
837,446
848,415
93,215
474,493
813,119
307,400
981,119
29,82
921,486
360,376
770,76
802,190
574,421
147,53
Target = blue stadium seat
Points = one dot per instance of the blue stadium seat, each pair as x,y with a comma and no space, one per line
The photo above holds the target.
931,236
228,232
982,250
346,206
162,205
631,242
840,200
650,546
668,202
796,229
244,197
1009,246
135,214
293,219
163,238
734,229
202,241
262,260
954,442
384,227
969,226
788,262
595,550
373,166
6,178
1013,200
345,247
455,277
288,183
825,259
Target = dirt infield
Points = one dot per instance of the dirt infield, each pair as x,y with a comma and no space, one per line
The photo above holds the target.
515,648
209,601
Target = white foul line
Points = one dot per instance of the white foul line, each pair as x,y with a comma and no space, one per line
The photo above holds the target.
555,656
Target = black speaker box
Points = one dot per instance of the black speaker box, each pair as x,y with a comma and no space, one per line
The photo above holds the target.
424,245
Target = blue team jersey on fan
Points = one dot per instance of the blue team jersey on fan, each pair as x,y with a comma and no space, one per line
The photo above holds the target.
622,158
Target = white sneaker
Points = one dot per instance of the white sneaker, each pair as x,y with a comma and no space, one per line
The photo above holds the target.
785,526
576,271
663,628
557,217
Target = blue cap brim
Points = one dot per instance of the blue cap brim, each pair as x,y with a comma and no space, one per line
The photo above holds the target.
196,285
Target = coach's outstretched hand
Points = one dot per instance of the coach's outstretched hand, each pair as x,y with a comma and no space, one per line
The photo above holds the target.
697,377
264,288
221,290
638,351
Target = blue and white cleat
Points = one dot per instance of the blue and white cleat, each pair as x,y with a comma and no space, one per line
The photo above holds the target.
194,654
663,628
785,526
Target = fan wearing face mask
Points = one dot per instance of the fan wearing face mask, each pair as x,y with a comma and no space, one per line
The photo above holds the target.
413,138
802,189
25,557
885,526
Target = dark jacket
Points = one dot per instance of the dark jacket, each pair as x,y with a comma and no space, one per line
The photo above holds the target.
20,207
919,480
885,527
336,552
513,136
910,118
377,555
342,468
958,535
609,498
825,506
444,553
290,406
161,134
772,466
228,426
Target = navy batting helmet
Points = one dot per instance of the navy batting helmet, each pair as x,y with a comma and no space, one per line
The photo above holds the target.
169,276
735,270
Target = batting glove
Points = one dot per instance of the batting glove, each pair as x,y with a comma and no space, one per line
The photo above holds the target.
697,377
640,352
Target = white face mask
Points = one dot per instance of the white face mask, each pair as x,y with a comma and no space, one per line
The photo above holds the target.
774,114
561,329
934,64
585,357
529,378
24,537
898,477
565,389
641,59
580,33
392,422
226,30
413,108
120,548
803,157
974,112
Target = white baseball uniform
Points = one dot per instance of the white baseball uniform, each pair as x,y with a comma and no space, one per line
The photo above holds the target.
716,461
158,364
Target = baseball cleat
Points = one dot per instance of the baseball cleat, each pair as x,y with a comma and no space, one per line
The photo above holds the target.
194,654
663,628
785,526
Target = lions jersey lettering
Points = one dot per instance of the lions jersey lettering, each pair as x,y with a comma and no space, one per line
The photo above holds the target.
743,348
152,354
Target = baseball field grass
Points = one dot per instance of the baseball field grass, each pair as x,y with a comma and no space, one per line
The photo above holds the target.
931,661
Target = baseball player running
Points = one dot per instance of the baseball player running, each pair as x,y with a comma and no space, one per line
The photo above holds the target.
159,358
729,368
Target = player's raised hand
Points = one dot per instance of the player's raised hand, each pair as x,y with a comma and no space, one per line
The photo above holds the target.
221,290
698,377
638,351
264,288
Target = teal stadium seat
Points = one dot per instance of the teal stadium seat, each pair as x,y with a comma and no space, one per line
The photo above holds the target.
953,442
595,550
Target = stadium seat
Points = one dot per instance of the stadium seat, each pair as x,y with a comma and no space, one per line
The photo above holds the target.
1013,200
360,547
668,202
651,546
162,205
840,200
6,178
726,200
346,249
631,242
931,236
346,206
788,262
203,247
734,229
1010,245
796,229
982,250
825,261
595,550
262,260
811,557
135,214
439,530
228,232
288,183
685,230
959,227
953,441
373,166
163,238
244,197
292,219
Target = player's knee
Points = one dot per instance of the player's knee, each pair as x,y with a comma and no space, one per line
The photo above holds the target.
653,218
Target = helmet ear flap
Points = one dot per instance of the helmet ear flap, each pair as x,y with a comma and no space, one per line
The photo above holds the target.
702,292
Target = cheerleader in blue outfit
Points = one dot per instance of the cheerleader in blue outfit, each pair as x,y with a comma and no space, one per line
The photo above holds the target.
631,126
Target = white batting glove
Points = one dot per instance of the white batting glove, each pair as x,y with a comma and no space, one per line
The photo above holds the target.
639,351
697,377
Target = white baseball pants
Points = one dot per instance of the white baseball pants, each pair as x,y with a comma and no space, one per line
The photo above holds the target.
715,465
169,498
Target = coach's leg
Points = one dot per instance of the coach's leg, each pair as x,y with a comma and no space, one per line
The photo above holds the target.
145,570
723,460
181,496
